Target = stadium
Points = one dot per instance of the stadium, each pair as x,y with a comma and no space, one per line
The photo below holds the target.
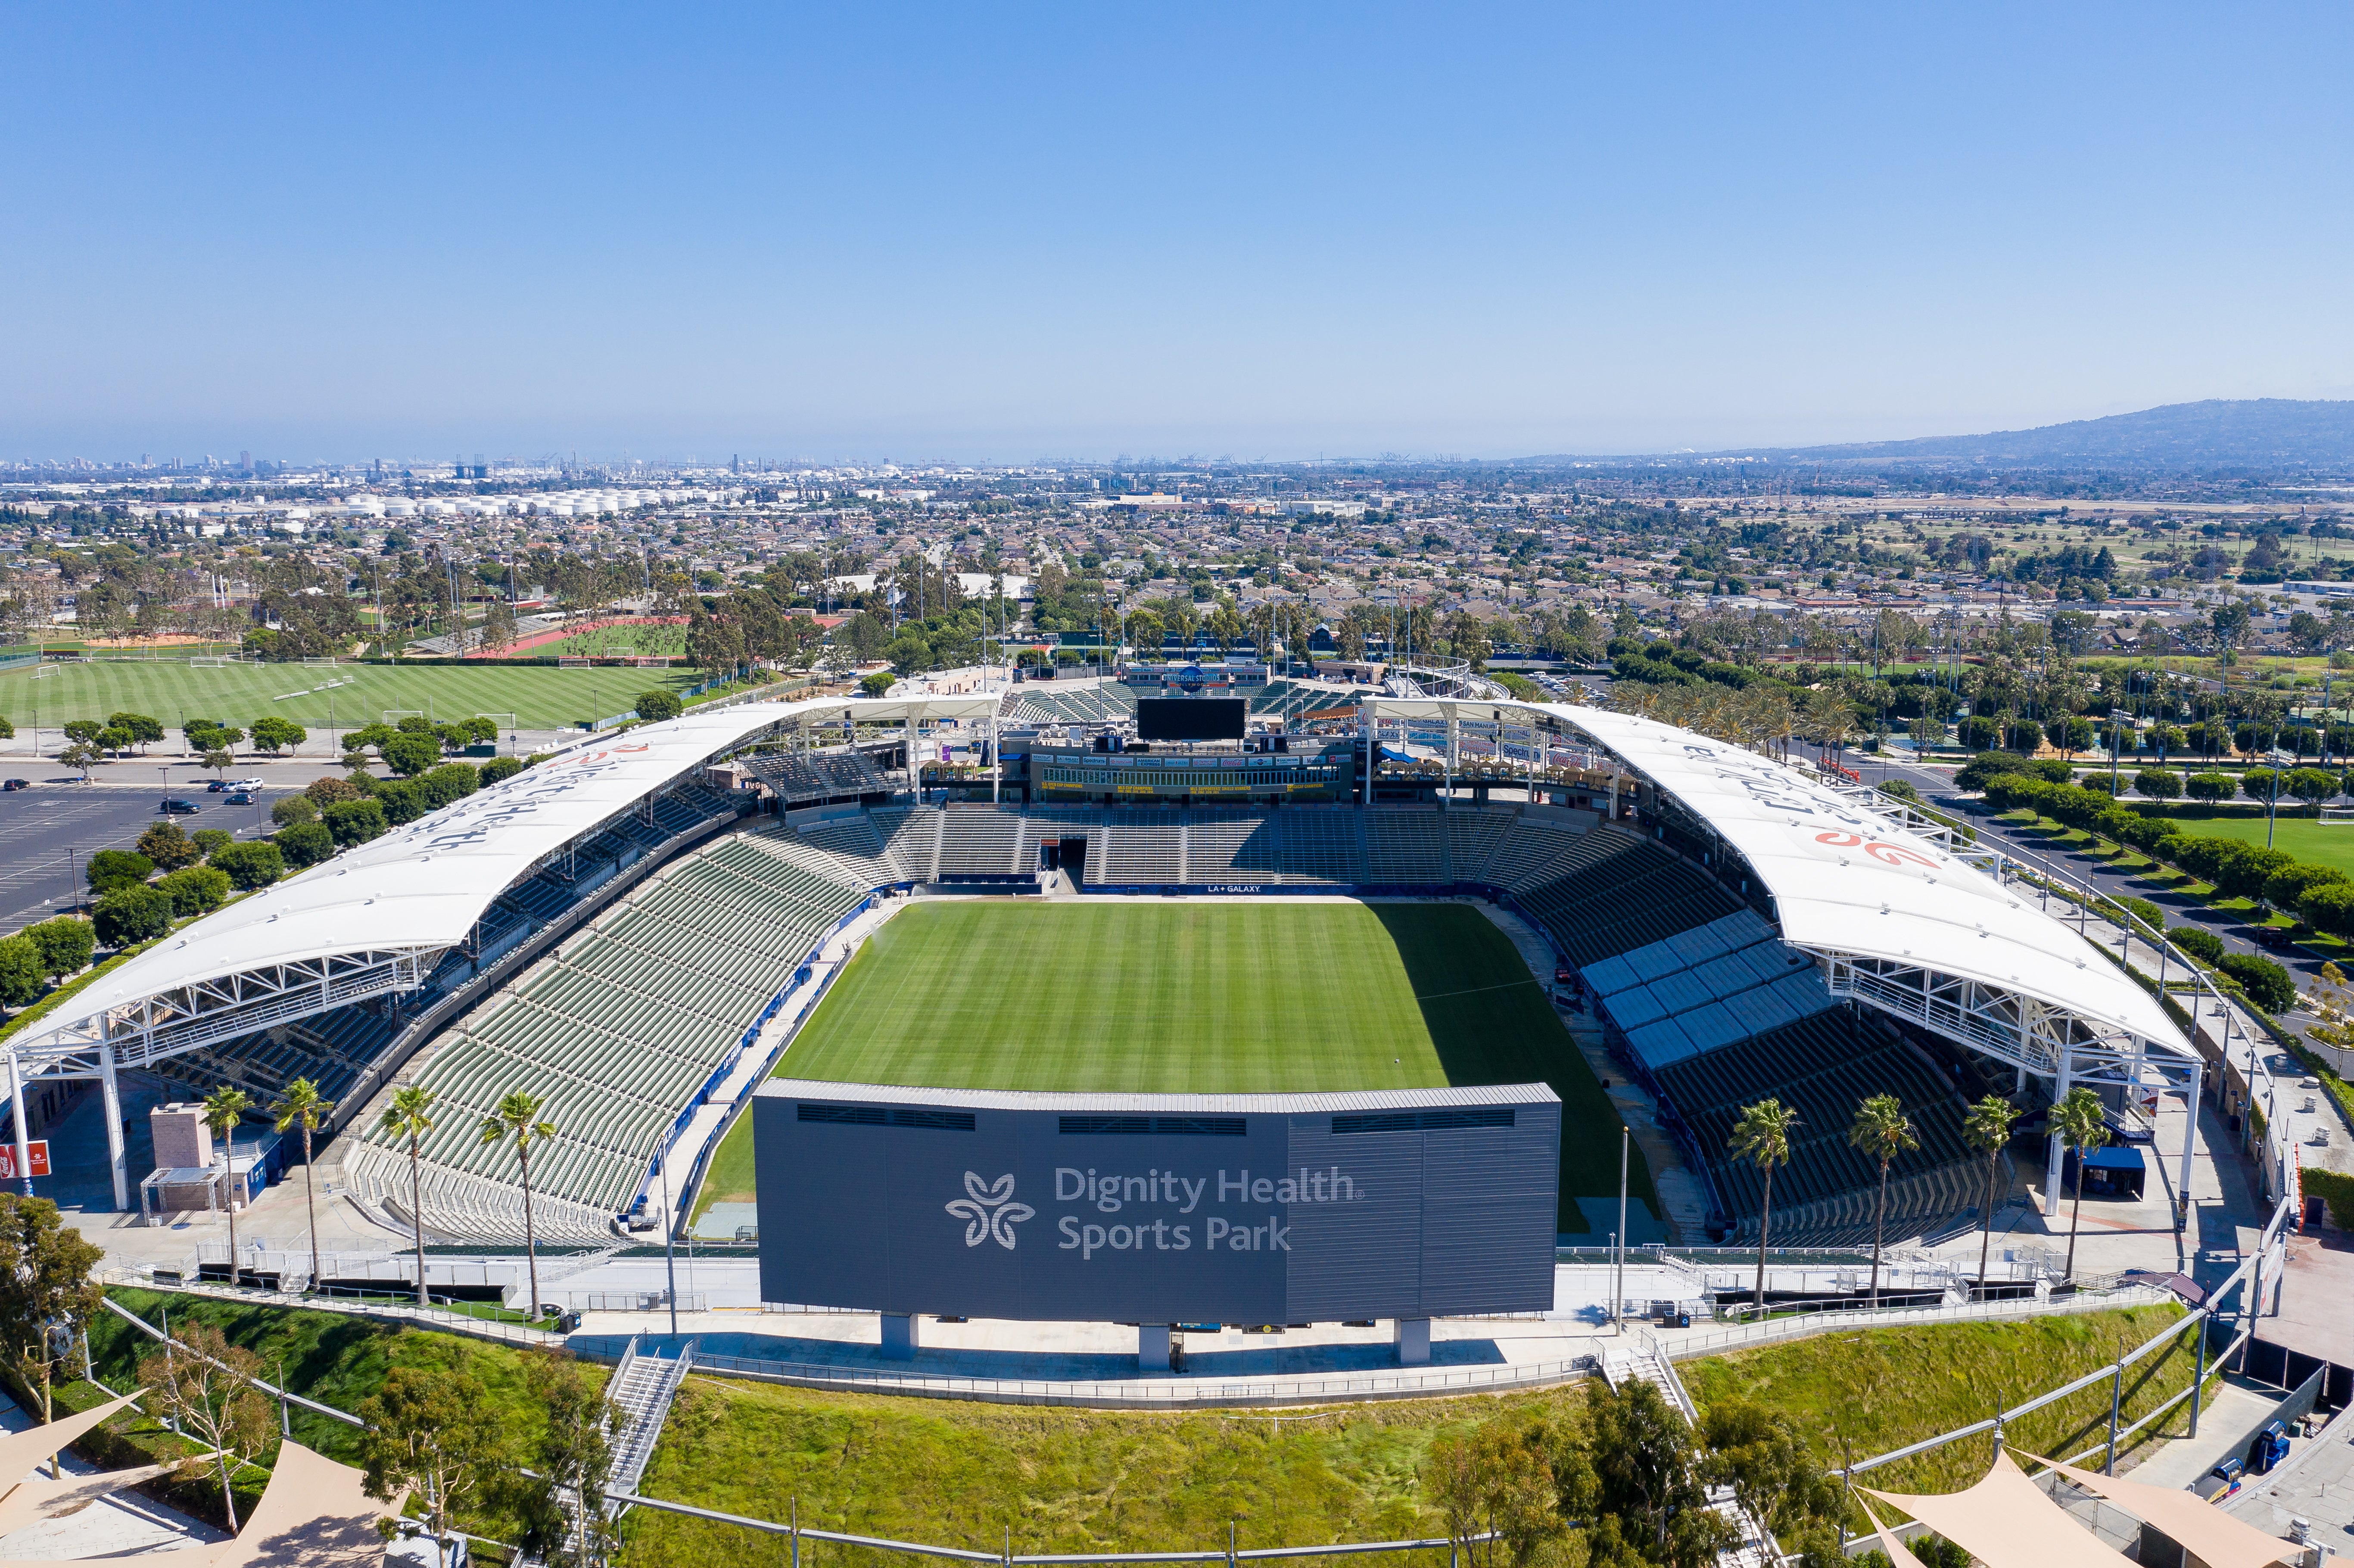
1320,891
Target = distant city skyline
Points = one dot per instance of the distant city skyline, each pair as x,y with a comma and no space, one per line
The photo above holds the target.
1048,235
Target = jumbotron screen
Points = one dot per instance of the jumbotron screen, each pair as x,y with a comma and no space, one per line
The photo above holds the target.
1189,718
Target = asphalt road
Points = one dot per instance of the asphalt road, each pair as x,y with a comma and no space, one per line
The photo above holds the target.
1936,786
49,831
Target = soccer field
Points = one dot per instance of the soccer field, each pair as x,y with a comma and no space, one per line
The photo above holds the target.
2299,834
1198,997
175,692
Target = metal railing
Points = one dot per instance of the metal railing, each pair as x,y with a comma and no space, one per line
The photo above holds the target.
1800,1325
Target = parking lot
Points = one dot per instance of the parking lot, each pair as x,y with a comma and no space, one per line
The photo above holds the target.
49,831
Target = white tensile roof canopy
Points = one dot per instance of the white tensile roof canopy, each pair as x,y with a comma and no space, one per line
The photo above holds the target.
375,917
1901,921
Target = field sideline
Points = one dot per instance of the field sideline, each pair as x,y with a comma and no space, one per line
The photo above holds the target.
1162,996
173,691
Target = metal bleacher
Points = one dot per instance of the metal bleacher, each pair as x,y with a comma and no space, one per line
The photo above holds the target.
616,1033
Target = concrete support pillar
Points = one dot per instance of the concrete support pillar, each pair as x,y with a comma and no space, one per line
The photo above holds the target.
899,1336
24,1121
1373,750
1613,794
2190,1139
2054,1152
117,1159
1412,1337
914,762
1152,1346
996,762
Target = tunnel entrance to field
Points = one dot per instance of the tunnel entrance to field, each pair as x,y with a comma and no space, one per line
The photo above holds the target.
1065,854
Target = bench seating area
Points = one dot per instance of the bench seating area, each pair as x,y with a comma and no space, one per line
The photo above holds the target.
617,1033
1821,1067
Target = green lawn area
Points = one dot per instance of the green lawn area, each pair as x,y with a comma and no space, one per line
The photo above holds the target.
1076,1481
1884,1388
2299,834
175,692
1198,997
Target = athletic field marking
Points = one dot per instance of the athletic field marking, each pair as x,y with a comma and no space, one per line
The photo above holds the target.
1507,985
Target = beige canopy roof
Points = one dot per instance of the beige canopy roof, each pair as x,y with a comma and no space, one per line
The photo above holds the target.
40,1497
2007,1521
2198,1526
20,1451
1900,1554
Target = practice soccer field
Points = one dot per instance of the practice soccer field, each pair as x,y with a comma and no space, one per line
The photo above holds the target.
2299,834
1198,997
176,691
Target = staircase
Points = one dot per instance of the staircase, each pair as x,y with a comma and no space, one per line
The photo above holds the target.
1640,1359
642,1389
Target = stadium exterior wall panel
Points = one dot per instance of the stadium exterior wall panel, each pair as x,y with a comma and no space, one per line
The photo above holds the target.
992,1220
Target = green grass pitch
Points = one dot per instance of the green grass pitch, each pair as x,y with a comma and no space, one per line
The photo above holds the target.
1198,997
176,691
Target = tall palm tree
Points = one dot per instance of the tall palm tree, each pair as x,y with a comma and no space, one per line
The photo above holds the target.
2080,1119
1762,1137
224,1108
1883,1131
301,1105
410,1117
519,1114
1987,1129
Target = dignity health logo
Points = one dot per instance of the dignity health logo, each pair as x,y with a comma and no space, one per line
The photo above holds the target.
988,1210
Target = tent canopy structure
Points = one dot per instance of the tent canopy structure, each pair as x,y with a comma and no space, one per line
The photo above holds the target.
1901,921
2008,1521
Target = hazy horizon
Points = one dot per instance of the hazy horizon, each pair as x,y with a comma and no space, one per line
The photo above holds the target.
1066,235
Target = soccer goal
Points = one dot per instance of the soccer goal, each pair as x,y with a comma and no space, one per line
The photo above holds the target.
651,660
2338,816
394,716
566,662
210,661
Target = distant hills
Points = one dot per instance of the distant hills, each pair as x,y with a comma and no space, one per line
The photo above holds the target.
2257,433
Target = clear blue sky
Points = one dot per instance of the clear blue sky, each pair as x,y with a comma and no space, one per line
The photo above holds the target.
1000,233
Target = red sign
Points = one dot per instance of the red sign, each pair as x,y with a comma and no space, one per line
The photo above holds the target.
39,1150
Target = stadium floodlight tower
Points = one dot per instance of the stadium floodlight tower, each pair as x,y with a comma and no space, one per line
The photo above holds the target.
1898,910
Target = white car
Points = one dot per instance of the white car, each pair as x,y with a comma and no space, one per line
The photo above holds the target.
245,784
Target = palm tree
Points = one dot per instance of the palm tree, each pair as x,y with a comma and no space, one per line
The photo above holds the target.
300,1105
1762,1137
519,1114
1883,1131
1987,1129
2082,1125
410,1116
224,1108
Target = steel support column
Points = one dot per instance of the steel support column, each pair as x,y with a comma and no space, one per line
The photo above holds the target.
2053,1150
117,1159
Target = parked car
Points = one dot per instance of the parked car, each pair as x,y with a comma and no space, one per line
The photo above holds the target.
245,783
174,806
241,798
2275,937
216,787
13,785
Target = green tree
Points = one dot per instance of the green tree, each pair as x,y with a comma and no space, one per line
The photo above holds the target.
1758,1451
1647,1478
129,916
46,1290
194,890
876,684
2211,788
2082,1122
562,1504
20,971
110,869
274,735
1987,1129
302,1107
220,761
1762,1137
451,781
224,1110
304,844
518,1116
205,1387
251,866
211,842
143,731
2159,783
656,705
66,944
410,1118
1883,1131
354,823
1494,1487
2268,985
436,1433
408,755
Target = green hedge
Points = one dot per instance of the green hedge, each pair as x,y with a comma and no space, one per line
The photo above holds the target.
2335,1188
